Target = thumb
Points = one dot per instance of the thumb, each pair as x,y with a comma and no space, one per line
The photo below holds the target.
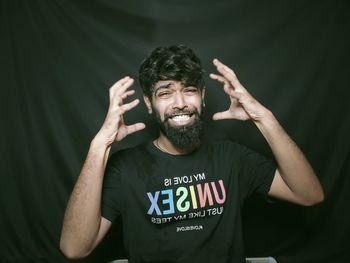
222,115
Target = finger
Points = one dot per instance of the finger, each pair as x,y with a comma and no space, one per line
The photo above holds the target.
228,88
238,93
120,82
120,86
220,79
128,106
228,73
218,63
118,91
222,66
127,94
222,115
135,127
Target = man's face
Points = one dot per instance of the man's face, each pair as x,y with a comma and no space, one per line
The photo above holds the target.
177,109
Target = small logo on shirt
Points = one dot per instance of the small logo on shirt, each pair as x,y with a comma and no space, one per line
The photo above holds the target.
189,228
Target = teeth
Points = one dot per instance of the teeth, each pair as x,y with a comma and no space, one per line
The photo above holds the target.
180,117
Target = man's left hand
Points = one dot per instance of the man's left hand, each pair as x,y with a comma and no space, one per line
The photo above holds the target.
243,106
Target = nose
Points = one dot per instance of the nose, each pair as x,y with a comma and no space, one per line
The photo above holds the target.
179,101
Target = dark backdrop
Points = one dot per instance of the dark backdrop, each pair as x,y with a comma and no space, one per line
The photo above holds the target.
59,58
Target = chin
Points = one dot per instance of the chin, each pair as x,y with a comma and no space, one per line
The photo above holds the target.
186,136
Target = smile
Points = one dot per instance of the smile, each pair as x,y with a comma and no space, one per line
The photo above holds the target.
181,119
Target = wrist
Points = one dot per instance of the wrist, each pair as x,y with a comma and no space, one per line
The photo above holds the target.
266,122
265,118
100,148
100,142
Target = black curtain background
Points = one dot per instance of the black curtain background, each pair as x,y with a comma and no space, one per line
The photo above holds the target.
59,58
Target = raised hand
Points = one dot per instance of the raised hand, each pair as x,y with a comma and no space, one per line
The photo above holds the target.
114,127
243,106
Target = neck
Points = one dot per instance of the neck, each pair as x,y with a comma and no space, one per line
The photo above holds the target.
163,144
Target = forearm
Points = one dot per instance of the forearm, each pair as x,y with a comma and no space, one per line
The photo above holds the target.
293,167
83,214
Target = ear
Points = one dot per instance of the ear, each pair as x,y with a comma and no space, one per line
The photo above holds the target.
148,103
203,96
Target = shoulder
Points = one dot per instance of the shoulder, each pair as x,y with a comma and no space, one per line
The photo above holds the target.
223,146
223,150
229,149
131,154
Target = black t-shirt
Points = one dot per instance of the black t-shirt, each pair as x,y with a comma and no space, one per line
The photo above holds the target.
184,208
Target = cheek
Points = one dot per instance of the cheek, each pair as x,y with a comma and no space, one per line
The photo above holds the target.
197,104
159,109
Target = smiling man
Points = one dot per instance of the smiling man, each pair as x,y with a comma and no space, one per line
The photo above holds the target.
180,198
173,89
182,124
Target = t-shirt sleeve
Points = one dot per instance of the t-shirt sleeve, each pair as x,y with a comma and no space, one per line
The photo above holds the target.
112,192
256,172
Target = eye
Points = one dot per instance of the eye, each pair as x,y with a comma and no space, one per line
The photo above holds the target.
163,94
191,90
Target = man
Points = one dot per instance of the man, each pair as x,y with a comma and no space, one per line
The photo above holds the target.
180,198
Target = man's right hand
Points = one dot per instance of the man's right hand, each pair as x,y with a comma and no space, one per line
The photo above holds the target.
83,226
114,127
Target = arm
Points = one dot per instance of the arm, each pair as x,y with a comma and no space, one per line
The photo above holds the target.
83,226
294,180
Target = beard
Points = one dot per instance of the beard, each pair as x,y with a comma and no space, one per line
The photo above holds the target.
183,137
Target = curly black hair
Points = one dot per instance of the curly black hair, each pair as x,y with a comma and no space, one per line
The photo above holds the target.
176,62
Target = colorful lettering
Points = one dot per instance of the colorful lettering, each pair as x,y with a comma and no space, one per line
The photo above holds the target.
181,199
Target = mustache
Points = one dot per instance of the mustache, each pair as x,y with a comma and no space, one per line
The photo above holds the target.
180,112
